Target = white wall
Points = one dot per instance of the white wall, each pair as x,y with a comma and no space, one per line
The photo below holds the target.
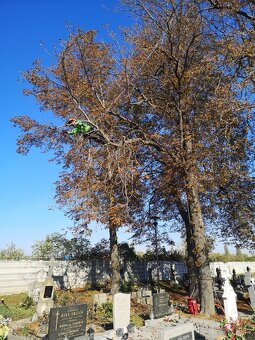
240,267
16,276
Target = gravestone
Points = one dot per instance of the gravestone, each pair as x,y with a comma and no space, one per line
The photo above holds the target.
229,298
34,291
99,299
180,330
45,302
219,279
173,273
248,281
160,305
146,293
67,322
121,311
234,277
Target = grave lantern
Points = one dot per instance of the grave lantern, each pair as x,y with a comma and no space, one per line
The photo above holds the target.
90,333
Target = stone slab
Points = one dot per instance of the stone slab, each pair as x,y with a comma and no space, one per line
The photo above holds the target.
180,331
184,332
99,299
146,293
160,331
134,295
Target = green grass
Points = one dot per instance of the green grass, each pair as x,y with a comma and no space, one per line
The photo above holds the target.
11,308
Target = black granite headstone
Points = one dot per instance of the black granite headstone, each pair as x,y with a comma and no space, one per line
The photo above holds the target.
160,305
67,322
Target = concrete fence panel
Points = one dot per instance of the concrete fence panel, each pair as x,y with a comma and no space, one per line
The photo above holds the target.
17,276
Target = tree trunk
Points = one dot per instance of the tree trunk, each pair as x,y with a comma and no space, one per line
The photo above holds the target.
192,270
196,239
200,254
115,263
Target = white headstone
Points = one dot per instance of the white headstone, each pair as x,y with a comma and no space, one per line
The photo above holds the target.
247,278
99,299
225,273
229,298
121,311
249,282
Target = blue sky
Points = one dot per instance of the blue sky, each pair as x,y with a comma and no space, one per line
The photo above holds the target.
27,189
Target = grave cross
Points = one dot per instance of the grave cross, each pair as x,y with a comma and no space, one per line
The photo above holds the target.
56,326
229,298
50,271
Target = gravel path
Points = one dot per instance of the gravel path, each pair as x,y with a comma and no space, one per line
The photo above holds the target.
207,329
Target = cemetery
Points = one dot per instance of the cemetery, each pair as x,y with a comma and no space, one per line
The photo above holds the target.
164,312
148,122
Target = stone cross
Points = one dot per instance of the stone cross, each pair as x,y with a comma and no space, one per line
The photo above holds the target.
229,298
51,266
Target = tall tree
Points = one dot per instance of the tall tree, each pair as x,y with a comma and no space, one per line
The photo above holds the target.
98,169
190,90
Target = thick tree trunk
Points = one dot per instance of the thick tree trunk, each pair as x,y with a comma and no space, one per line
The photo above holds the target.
192,270
200,254
196,239
115,263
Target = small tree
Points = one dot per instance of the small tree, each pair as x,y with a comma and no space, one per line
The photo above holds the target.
12,253
60,247
53,244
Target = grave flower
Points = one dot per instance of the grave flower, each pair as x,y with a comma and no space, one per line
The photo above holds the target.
227,327
4,329
235,330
